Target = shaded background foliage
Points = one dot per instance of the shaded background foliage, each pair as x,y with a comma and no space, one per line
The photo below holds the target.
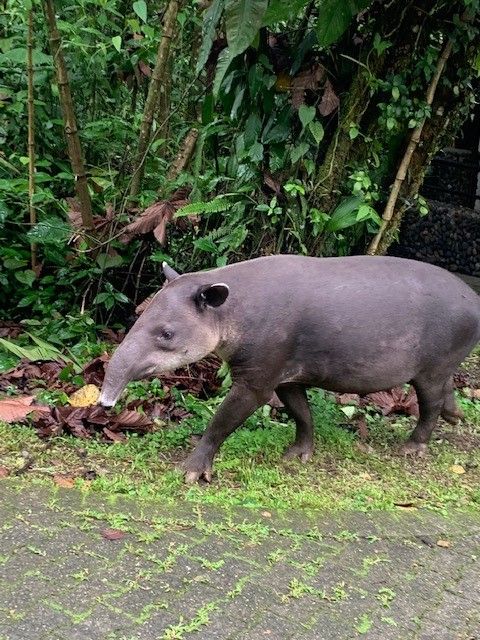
278,126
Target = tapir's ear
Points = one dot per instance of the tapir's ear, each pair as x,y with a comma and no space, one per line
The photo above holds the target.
169,273
212,295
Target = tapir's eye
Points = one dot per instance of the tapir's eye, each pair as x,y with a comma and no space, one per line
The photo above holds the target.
167,334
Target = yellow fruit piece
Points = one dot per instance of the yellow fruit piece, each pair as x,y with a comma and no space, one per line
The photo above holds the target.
85,397
283,82
457,468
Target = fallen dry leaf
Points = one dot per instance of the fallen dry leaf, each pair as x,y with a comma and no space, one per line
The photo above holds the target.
67,482
395,400
4,472
156,218
16,409
457,468
329,101
474,394
115,437
132,420
445,544
348,398
113,534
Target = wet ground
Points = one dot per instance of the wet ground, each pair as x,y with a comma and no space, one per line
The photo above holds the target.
78,566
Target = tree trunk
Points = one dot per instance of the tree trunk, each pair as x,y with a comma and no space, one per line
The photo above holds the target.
31,139
152,96
68,112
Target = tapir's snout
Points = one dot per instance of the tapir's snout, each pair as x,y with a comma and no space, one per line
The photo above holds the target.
105,402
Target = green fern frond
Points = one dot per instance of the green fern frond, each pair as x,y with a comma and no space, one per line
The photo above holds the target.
214,206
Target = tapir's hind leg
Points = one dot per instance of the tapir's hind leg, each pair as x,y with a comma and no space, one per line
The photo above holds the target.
451,412
432,395
294,398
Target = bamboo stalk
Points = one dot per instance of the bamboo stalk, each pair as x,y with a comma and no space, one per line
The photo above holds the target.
183,157
412,145
31,138
69,120
152,96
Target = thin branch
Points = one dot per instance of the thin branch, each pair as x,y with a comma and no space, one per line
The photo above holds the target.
152,96
412,145
31,137
183,157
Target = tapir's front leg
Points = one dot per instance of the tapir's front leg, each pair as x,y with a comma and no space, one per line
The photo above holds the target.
239,403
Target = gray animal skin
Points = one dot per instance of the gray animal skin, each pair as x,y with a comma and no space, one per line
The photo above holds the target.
285,323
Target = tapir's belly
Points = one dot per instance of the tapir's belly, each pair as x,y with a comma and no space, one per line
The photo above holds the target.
355,367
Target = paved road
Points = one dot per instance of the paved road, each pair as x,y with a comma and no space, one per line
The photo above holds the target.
205,574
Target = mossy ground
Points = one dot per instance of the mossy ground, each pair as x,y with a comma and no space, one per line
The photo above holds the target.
249,470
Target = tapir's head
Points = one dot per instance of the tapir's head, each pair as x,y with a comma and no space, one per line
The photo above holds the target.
180,325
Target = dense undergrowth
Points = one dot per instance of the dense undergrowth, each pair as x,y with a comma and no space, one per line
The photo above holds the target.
284,132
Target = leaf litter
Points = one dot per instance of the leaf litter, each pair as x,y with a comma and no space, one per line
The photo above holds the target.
85,419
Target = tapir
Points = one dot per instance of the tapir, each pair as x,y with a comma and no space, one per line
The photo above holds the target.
285,323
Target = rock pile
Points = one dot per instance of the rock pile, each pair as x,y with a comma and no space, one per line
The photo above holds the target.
448,236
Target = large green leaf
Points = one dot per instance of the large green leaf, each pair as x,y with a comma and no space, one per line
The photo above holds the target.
334,17
282,10
345,215
19,56
224,60
243,19
210,22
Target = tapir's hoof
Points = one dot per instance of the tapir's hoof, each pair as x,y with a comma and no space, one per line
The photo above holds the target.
453,417
195,469
411,448
299,450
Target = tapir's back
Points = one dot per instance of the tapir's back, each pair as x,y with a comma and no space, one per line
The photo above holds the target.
372,288
360,322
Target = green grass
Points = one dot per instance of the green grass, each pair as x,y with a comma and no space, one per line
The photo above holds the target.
249,470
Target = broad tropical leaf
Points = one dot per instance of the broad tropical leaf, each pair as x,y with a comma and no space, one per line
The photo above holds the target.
243,19
210,22
224,60
282,10
345,215
334,17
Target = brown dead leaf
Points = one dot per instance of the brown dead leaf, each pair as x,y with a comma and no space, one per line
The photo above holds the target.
4,472
445,544
473,394
155,218
395,400
330,100
9,329
131,420
16,409
115,437
144,68
306,80
362,428
66,482
113,534
94,371
348,398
